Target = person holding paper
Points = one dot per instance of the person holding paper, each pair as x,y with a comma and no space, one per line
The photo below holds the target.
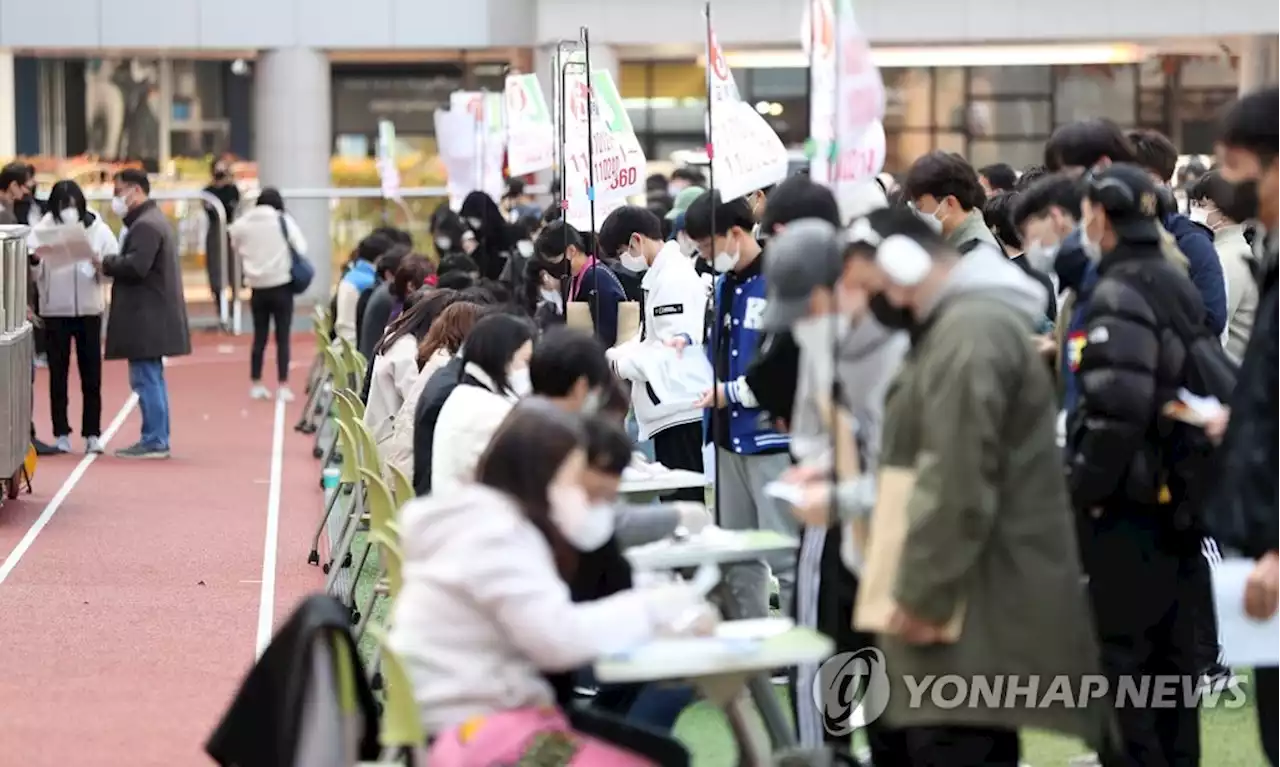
589,280
665,383
148,318
971,567
68,245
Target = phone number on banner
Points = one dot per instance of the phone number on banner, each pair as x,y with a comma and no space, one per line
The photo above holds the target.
617,168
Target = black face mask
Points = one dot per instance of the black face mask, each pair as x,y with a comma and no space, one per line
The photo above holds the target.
1243,204
890,316
559,270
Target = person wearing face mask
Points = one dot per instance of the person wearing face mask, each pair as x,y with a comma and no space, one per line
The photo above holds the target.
495,375
71,305
1210,197
148,317
565,255
749,452
944,191
684,178
998,215
222,186
674,313
495,561
13,190
1136,477
847,361
491,243
988,574
1242,513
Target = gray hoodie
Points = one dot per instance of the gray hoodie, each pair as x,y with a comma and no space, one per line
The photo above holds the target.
986,271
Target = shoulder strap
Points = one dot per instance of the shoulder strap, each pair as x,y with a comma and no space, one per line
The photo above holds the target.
1168,312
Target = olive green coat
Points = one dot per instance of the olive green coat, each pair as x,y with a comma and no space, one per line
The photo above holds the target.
972,411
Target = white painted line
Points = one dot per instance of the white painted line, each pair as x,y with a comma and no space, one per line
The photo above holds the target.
267,596
68,485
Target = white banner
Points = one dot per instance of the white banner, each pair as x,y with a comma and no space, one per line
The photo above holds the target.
747,153
489,136
615,157
530,133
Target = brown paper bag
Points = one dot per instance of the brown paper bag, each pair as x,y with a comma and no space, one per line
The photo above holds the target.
882,556
577,314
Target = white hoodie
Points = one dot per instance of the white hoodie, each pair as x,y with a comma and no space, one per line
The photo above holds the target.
73,289
258,239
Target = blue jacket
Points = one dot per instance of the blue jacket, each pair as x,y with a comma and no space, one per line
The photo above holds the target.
604,308
749,427
1204,268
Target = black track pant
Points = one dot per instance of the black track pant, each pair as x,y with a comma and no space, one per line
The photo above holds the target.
271,305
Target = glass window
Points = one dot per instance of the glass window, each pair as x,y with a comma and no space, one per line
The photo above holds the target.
122,108
489,76
907,98
1019,154
950,142
903,147
774,84
949,99
985,82
1081,92
1015,119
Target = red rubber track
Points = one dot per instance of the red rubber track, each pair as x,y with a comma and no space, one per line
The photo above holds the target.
127,626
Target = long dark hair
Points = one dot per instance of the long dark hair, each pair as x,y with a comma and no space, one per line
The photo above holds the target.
417,319
68,194
493,342
523,457
492,236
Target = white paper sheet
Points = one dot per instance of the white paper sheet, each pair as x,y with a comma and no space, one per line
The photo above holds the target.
61,245
1245,641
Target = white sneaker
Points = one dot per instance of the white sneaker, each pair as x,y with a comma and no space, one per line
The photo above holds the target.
62,444
93,446
259,392
284,394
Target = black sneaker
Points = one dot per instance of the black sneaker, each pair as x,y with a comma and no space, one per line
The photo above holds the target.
44,448
141,451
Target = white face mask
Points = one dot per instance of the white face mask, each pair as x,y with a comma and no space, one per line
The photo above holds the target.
1040,257
474,222
552,297
525,248
686,245
443,244
726,261
69,216
591,402
1200,215
518,381
633,262
585,526
931,219
119,206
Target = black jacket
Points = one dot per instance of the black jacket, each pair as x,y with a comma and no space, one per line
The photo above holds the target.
1121,450
1244,514
263,726
425,415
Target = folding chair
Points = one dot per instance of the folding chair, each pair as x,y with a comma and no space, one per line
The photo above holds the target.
325,435
401,730
352,363
350,478
317,380
381,509
392,559
379,516
401,487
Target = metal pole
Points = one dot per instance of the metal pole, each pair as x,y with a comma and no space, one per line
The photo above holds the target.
715,332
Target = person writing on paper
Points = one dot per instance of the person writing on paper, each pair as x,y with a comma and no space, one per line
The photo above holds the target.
847,362
486,608
749,452
68,244
1243,512
495,374
972,565
675,309
264,239
148,316
590,280
1131,471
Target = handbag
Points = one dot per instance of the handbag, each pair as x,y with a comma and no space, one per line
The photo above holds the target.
301,272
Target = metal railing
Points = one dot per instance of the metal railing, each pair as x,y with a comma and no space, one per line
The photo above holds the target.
16,351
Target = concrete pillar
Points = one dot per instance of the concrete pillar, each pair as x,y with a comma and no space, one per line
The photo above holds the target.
1257,63
8,108
293,136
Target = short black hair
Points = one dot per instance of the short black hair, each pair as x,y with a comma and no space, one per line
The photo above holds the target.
552,213
1212,187
735,212
556,237
500,292
1154,152
65,194
1000,176
796,198
899,220
618,228
1030,175
134,177
1250,124
1056,190
1083,143
270,196
389,262
494,341
13,173
692,175
945,174
515,186
561,357
455,281
608,447
477,294
398,236
457,263
997,213
373,246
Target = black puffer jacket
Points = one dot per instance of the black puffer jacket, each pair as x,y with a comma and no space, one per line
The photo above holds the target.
1121,449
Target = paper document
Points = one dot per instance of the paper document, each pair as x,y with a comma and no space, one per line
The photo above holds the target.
785,491
1193,409
1245,641
61,245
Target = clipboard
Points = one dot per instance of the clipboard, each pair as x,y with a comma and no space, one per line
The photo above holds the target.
887,536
